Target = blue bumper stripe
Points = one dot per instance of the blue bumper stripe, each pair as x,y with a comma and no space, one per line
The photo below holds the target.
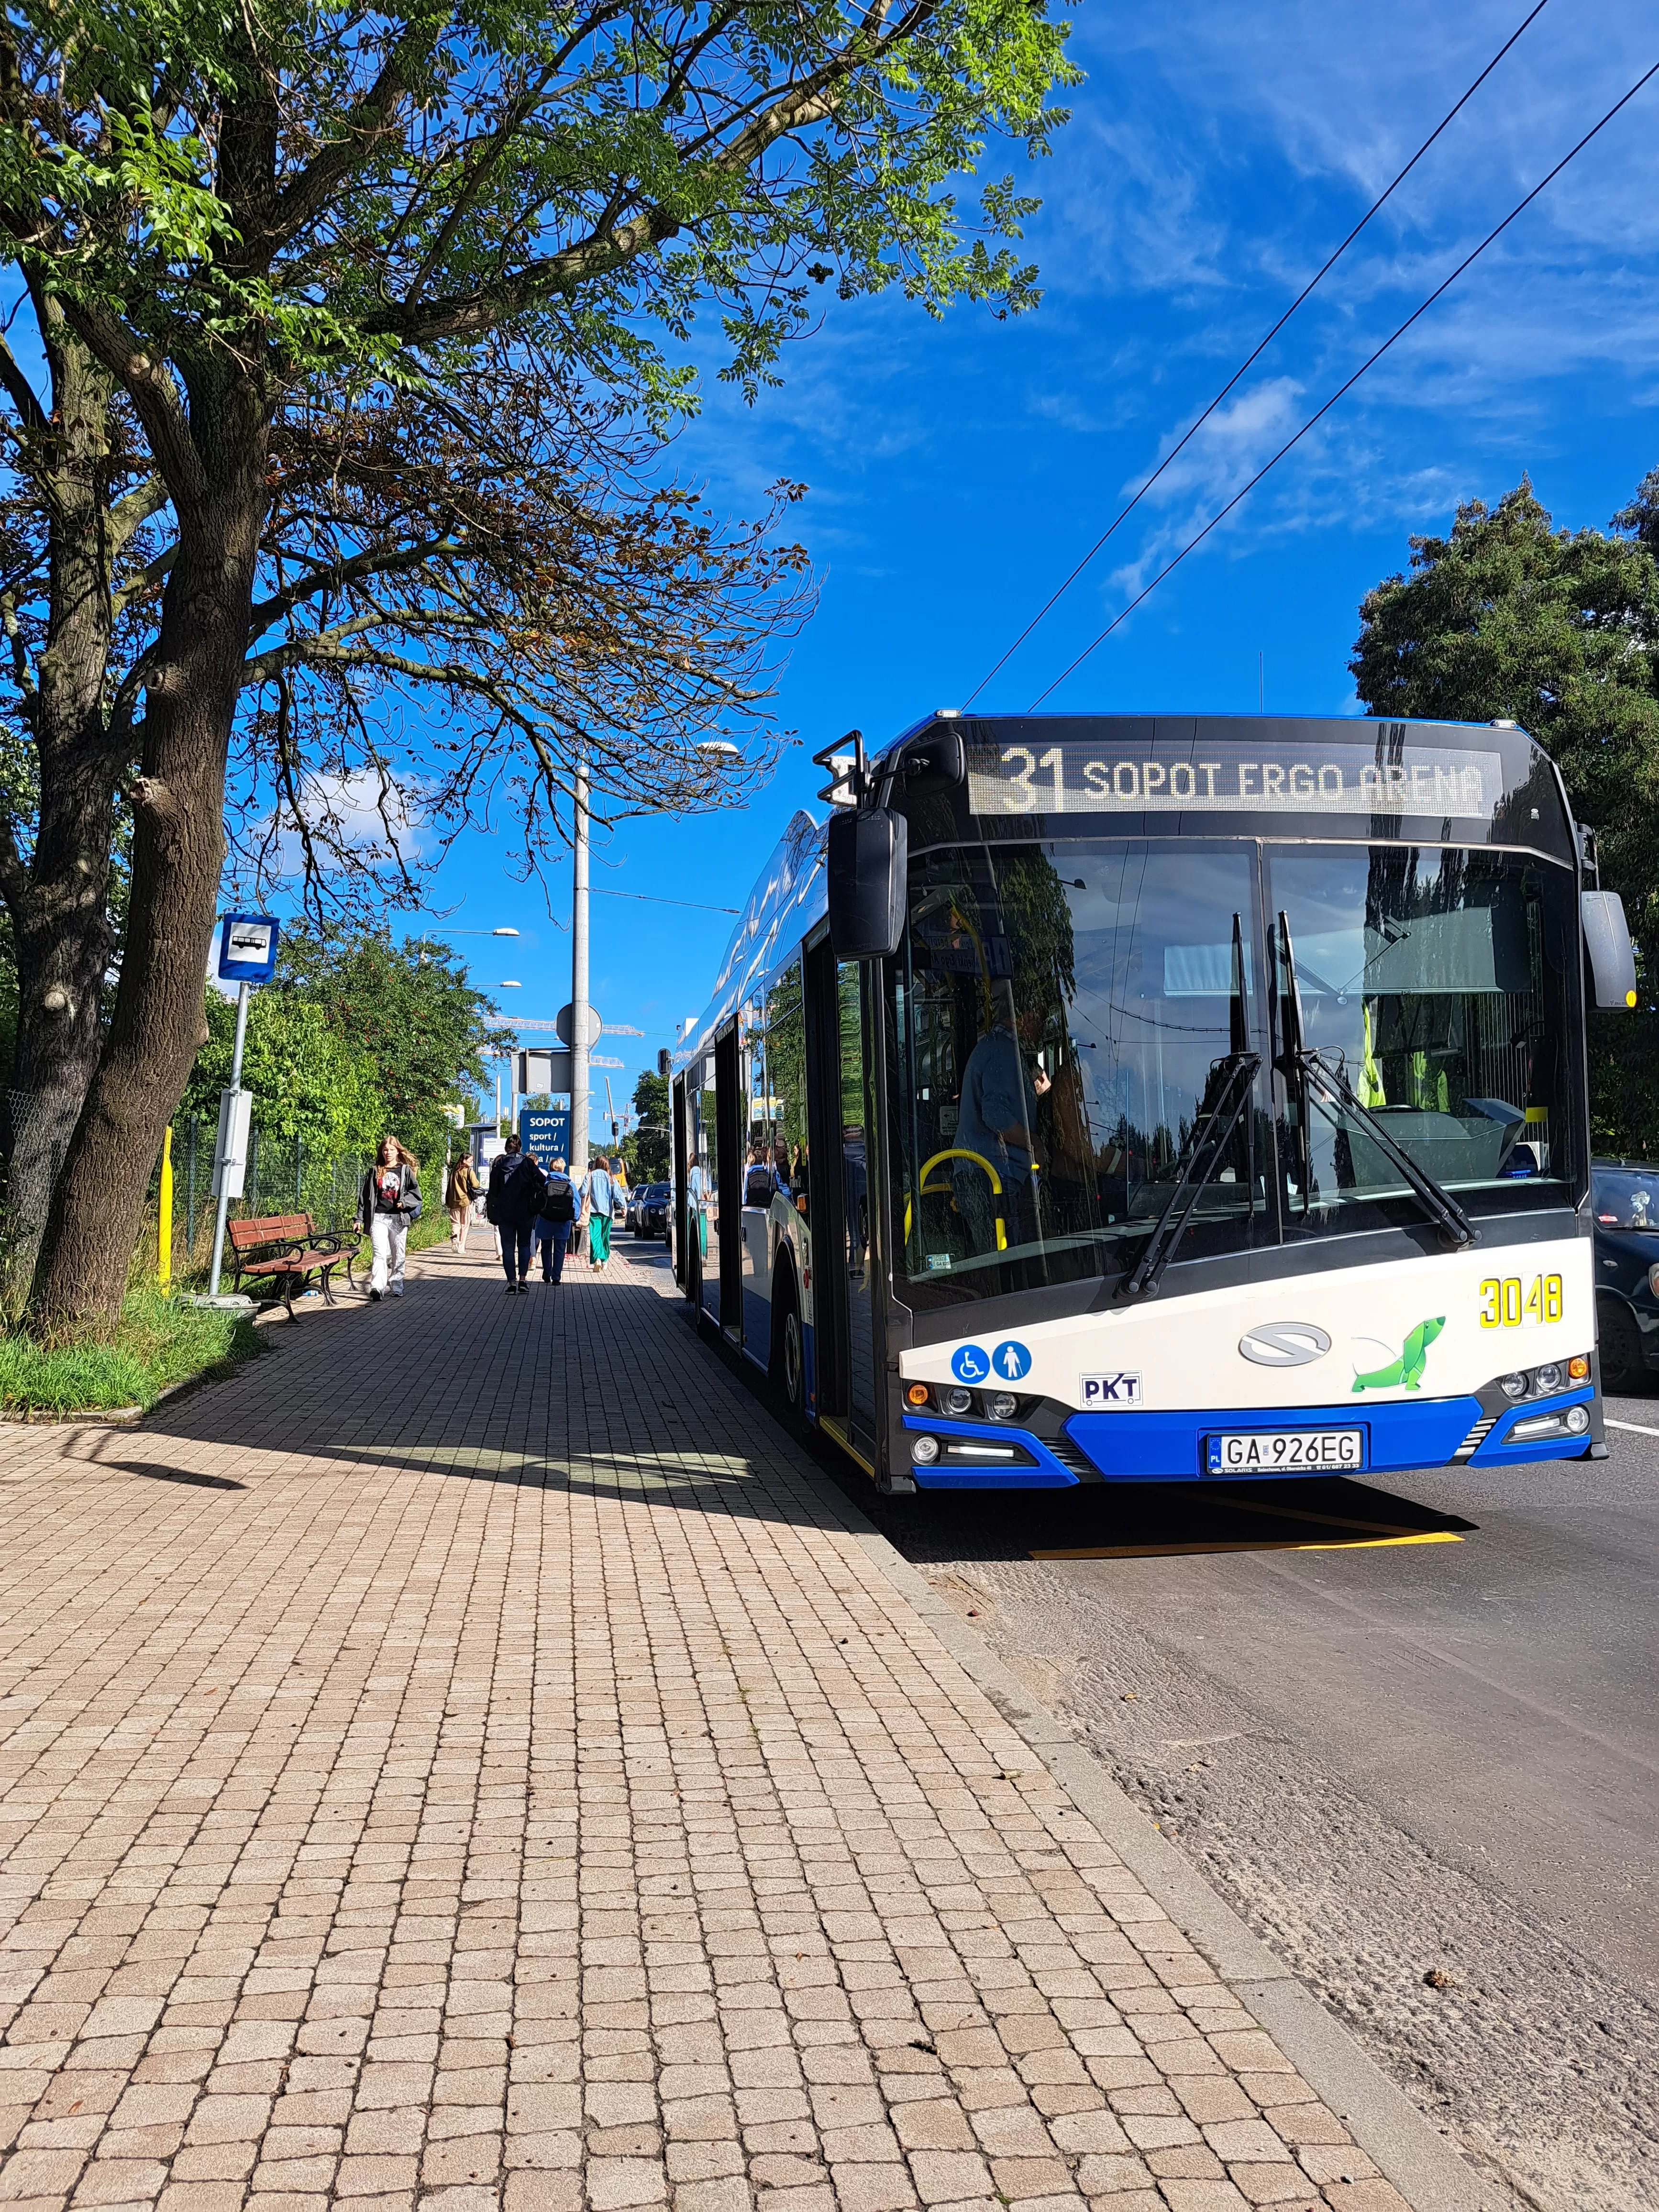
1148,1447
1048,1474
1497,1450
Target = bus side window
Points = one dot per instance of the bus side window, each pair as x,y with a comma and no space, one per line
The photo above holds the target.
786,1069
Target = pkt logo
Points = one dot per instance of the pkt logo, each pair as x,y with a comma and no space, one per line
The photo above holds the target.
1283,1344
1097,1390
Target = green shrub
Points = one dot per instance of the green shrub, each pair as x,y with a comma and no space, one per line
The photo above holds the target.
157,1342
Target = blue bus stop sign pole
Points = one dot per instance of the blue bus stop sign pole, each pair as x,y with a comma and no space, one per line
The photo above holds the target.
247,956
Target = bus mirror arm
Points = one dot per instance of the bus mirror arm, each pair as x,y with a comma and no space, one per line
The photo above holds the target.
1227,1095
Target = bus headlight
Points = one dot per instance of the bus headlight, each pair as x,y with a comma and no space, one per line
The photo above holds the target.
1512,1386
1578,1419
1548,1377
959,1401
1004,1406
924,1450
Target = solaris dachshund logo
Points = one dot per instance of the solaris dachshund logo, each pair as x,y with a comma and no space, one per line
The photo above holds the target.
1409,1368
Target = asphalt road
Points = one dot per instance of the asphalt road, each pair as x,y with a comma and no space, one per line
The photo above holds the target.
1426,1771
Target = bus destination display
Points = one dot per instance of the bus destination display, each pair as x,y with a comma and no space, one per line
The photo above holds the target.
1226,779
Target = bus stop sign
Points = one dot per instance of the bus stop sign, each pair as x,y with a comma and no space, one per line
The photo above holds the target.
247,948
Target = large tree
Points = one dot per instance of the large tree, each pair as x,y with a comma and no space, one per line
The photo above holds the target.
523,591
1557,629
253,237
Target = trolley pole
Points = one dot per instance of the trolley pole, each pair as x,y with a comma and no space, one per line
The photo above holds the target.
580,1040
242,996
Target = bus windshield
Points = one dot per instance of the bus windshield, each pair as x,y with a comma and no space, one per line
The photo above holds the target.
1063,1013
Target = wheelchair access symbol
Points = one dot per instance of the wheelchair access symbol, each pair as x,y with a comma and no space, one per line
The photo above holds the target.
1011,1361
969,1363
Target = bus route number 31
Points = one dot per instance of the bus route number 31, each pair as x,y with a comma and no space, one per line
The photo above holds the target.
1510,1302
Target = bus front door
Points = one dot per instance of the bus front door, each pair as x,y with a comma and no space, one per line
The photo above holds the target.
730,1116
843,1187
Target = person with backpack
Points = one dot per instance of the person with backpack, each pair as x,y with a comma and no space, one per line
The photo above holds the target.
760,1179
599,1196
561,1210
389,1200
462,1189
517,1190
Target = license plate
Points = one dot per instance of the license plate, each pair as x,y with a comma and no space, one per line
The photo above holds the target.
1284,1451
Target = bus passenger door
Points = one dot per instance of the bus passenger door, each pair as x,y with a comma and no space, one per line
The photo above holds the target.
730,1117
844,1185
676,1194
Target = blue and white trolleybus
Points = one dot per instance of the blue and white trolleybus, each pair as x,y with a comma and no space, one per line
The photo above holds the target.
1101,1098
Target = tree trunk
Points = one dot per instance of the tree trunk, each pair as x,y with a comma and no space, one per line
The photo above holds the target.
177,849
60,901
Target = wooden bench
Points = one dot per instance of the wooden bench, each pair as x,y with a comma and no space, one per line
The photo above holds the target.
288,1248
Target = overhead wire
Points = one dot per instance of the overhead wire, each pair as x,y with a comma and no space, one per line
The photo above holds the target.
1348,384
1251,360
649,898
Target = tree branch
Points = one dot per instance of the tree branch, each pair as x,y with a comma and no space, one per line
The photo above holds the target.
156,397
21,392
612,247
336,575
372,121
131,513
152,574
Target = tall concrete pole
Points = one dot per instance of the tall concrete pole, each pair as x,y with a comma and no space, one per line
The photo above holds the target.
580,1040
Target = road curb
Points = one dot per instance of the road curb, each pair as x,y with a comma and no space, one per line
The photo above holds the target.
1423,2166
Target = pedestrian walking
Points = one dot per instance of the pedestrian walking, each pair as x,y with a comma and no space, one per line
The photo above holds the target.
463,1188
561,1210
699,1190
599,1196
517,1188
389,1202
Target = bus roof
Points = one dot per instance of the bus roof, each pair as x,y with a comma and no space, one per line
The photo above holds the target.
788,897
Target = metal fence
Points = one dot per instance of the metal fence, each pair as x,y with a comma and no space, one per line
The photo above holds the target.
282,1177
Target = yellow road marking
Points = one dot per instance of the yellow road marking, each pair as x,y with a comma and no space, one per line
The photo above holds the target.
1381,1543
1270,1544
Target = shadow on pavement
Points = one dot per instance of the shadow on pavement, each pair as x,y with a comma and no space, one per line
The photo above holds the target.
614,1389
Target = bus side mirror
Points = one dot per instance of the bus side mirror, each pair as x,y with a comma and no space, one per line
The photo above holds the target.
868,858
938,761
1606,940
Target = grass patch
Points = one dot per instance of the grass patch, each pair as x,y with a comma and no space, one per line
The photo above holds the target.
157,1343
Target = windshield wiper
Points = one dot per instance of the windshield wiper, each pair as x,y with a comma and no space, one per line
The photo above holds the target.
1226,1096
1337,1097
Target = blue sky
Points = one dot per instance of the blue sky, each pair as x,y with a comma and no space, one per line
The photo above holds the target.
957,469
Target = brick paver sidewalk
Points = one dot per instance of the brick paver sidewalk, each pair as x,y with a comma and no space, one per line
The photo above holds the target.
471,1757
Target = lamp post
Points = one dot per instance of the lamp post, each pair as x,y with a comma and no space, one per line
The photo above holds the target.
506,983
580,1040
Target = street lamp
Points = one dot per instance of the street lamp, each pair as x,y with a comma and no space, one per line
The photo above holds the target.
506,983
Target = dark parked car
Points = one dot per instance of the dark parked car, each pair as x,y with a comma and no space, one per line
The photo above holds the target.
650,1210
1626,1202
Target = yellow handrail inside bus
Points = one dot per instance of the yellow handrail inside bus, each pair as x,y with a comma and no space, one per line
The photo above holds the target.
956,1153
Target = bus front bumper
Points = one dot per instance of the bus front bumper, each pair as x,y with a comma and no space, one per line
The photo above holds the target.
1397,1435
